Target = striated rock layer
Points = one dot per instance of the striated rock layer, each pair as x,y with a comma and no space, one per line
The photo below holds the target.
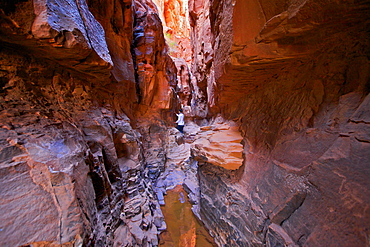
78,79
87,91
295,77
219,145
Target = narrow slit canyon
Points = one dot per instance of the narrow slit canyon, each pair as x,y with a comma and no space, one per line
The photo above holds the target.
276,143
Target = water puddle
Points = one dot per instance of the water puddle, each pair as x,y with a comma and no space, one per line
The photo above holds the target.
183,228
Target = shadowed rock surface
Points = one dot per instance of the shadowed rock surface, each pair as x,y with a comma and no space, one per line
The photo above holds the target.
293,75
73,170
280,90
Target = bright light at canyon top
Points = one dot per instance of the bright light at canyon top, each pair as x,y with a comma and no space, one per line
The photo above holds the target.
174,15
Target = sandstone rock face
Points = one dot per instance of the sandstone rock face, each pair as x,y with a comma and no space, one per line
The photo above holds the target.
75,40
175,19
184,87
273,197
203,54
117,18
219,145
55,195
70,24
293,75
73,170
155,70
87,91
79,164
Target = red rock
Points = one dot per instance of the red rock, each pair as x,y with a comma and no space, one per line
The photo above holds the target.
79,161
291,75
219,146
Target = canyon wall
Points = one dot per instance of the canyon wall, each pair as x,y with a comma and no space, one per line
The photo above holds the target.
176,16
295,76
86,90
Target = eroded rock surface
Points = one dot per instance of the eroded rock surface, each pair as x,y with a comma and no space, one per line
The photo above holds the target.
73,170
65,155
87,92
292,75
220,145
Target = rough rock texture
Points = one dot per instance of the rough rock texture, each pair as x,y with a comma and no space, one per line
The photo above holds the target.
75,41
73,170
175,19
87,91
80,164
184,87
294,75
117,19
50,164
203,55
178,179
220,145
176,27
155,70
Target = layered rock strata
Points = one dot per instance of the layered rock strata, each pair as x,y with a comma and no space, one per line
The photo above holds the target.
176,19
87,91
219,145
155,70
294,76
73,170
202,68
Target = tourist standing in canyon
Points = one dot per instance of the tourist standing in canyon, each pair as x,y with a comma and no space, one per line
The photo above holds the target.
180,121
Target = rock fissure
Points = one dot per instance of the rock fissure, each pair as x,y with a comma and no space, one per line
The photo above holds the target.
88,96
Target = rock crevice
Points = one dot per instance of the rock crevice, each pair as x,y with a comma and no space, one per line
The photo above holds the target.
88,92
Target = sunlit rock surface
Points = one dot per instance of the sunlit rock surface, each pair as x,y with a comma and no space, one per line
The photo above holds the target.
219,145
175,19
202,68
154,68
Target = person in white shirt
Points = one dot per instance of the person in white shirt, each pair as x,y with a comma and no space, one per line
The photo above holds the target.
180,121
